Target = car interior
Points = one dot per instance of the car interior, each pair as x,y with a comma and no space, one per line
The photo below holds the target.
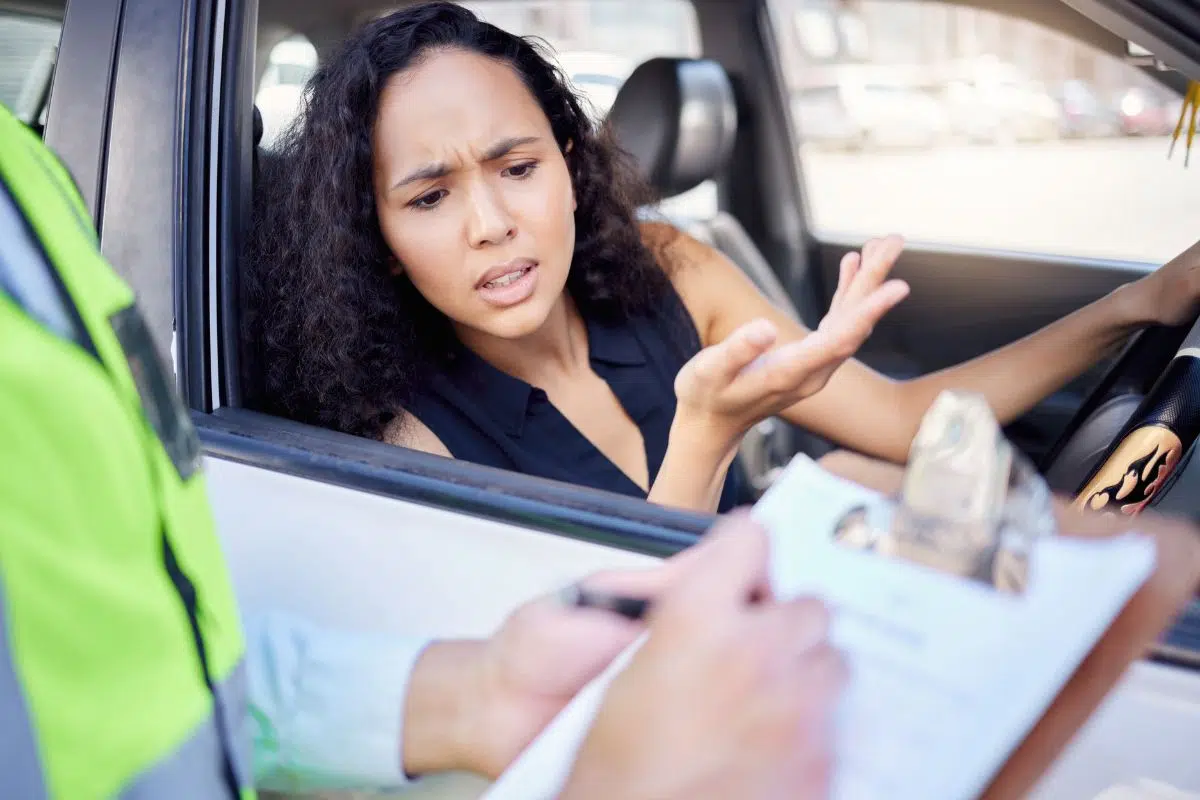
719,115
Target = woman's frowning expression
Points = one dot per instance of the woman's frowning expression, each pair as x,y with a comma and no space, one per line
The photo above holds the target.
473,192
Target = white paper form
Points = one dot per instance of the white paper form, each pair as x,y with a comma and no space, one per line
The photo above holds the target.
947,675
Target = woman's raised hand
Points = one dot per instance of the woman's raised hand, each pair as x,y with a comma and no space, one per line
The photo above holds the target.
730,386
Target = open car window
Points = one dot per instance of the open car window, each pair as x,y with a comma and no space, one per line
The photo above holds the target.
290,64
592,41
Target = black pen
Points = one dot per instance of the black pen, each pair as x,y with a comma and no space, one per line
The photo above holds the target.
632,608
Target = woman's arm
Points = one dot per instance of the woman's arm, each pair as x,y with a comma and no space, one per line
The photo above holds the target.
694,467
1018,376
869,412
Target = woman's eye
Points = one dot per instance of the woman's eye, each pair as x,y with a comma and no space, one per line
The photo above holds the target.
520,170
429,200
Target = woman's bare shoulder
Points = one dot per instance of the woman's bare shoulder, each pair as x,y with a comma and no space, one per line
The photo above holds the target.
682,256
671,246
408,431
701,274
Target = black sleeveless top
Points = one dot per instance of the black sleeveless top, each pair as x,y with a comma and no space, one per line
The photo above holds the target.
488,417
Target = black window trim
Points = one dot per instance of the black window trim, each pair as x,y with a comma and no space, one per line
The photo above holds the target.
80,101
190,287
575,512
219,155
231,178
1149,23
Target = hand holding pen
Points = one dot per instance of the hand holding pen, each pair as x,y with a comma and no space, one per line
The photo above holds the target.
732,693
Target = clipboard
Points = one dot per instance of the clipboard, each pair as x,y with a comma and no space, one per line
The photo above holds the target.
949,675
1140,624
1135,628
1146,580
1142,621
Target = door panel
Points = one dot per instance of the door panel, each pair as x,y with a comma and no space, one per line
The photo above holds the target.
355,560
358,561
1136,739
964,304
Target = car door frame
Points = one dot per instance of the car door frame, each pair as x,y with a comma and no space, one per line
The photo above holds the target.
80,96
207,305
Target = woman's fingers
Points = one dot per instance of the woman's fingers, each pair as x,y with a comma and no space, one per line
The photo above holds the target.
890,248
718,365
847,269
854,324
742,372
875,305
878,258
787,368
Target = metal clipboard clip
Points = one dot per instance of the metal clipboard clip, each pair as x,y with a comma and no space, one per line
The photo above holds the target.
970,503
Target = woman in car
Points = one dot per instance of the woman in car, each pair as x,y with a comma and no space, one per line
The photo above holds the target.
449,260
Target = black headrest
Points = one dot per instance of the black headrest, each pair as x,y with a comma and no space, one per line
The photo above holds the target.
258,126
678,118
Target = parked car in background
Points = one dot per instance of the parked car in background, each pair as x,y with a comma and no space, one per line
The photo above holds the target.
894,114
820,115
1143,113
869,108
993,103
1085,115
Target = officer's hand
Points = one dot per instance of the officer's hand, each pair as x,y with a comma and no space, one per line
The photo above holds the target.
543,654
731,696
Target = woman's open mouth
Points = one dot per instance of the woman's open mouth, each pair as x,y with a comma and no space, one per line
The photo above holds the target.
512,286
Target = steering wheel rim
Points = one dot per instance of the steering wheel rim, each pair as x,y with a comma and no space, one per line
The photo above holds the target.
1159,370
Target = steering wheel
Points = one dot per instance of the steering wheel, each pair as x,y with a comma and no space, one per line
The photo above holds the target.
1123,446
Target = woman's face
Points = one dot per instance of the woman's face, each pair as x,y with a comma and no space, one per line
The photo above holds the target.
473,194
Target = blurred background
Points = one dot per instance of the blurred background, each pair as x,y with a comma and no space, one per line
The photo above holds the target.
914,116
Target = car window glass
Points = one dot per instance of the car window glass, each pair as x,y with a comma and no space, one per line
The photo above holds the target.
963,127
28,50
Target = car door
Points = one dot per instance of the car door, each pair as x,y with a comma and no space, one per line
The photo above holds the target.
151,109
1011,224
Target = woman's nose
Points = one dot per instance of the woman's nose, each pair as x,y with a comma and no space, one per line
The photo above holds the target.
490,222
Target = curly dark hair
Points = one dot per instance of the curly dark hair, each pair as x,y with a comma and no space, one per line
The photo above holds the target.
341,341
